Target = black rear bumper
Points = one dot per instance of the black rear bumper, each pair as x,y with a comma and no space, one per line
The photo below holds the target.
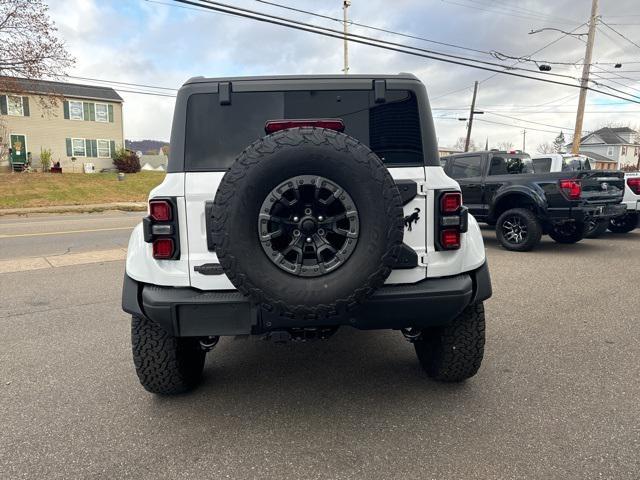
188,312
585,212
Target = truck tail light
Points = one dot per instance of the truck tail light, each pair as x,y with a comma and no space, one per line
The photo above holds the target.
163,248
160,210
160,229
451,220
571,188
634,184
273,126
450,238
450,202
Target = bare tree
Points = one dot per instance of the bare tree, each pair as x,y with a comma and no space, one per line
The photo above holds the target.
546,147
459,145
29,45
505,145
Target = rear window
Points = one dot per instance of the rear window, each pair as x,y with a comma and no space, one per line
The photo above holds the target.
542,165
505,164
575,164
216,134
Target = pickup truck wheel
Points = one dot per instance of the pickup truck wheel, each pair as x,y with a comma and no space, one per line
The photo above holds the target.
624,223
518,230
307,223
454,353
570,232
595,228
165,364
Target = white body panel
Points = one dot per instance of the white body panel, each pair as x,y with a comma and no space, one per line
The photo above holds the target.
192,190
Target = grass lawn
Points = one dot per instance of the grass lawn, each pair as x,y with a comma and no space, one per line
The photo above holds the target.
19,190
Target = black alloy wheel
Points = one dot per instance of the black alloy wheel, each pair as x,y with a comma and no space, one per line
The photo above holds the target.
308,225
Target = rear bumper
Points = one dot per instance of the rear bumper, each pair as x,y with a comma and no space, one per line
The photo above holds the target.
583,213
188,312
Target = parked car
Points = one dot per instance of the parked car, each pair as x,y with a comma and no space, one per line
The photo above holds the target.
502,188
296,205
560,162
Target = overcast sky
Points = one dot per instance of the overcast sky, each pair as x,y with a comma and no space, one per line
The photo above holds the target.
158,43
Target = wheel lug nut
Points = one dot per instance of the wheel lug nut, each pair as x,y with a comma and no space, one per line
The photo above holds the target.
296,219
320,218
308,239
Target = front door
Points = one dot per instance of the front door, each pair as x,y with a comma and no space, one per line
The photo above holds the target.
18,149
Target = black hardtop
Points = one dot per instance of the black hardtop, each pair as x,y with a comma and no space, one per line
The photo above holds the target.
226,87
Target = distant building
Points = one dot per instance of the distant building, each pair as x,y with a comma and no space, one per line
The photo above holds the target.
620,145
600,162
84,123
444,151
156,163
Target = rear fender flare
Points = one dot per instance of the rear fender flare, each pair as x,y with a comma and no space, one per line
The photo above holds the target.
533,195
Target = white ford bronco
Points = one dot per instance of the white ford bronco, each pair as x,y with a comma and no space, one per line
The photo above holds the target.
294,205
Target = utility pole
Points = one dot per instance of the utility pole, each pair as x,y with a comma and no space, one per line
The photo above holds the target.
470,124
584,83
524,140
345,5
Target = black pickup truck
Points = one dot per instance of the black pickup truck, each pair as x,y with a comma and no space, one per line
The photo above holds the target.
501,188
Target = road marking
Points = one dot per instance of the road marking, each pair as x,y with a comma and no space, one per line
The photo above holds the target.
56,261
66,232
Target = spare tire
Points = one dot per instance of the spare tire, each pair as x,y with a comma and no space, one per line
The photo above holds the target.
307,222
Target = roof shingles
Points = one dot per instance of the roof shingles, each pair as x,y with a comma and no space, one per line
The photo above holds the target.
69,90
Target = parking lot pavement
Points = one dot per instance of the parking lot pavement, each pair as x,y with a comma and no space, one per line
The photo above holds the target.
556,397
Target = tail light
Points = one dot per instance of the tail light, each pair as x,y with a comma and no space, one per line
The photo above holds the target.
634,184
273,126
160,229
452,221
571,189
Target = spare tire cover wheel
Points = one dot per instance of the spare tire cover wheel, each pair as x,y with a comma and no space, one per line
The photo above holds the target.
307,221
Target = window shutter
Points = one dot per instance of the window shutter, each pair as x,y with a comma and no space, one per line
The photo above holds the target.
94,148
3,104
92,112
25,106
85,108
110,108
112,146
69,151
65,107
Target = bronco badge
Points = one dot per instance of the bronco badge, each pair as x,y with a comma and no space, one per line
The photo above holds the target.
409,220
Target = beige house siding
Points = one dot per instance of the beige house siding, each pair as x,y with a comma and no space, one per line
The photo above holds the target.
50,130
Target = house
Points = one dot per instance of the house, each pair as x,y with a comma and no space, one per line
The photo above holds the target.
156,163
622,145
444,151
600,162
78,123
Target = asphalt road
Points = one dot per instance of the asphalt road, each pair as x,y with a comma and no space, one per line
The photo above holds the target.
557,396
39,235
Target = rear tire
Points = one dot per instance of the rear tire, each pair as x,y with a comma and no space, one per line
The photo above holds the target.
595,228
165,364
624,223
454,353
518,230
568,233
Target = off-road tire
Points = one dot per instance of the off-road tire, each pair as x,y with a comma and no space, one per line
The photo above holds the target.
534,230
454,353
307,151
593,229
165,364
624,223
568,233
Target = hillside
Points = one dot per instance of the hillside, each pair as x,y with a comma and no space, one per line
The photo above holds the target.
144,145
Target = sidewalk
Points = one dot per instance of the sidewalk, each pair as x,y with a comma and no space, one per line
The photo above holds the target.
65,260
97,207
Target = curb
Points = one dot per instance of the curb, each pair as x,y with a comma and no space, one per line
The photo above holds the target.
98,207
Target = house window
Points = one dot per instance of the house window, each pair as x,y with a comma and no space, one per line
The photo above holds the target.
14,106
624,150
76,112
609,151
78,147
102,112
104,148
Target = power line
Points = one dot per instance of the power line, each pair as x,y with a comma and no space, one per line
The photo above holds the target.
515,15
285,22
526,121
620,34
123,83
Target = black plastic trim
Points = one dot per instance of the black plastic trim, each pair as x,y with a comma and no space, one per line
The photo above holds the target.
380,91
408,190
187,311
208,220
407,258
